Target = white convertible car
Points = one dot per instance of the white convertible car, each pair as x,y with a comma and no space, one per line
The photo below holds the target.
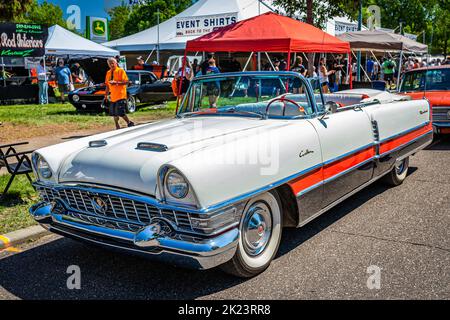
247,154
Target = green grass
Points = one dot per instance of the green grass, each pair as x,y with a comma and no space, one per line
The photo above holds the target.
14,207
38,115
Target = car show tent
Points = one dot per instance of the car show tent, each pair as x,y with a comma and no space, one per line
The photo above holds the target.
62,42
269,32
378,40
200,18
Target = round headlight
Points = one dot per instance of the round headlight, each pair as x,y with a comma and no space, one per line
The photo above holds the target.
76,98
43,168
176,185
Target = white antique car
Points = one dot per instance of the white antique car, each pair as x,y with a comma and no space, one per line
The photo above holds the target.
246,155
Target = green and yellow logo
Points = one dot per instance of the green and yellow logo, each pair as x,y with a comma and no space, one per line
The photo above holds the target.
98,27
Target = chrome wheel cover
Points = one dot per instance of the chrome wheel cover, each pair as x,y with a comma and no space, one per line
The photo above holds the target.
400,167
256,228
131,104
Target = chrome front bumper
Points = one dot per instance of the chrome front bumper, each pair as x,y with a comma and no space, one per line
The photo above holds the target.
151,240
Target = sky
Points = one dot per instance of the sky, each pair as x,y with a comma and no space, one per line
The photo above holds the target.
94,8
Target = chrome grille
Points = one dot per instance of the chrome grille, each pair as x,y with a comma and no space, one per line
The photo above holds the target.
440,114
122,210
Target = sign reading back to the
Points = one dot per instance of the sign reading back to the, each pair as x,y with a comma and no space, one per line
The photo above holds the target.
22,40
197,26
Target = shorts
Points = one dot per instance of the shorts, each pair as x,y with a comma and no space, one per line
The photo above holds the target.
117,108
184,85
213,91
388,76
325,84
63,88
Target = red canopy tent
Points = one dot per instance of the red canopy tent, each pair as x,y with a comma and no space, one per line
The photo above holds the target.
268,32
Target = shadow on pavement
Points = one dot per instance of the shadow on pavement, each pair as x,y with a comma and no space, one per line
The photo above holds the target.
40,272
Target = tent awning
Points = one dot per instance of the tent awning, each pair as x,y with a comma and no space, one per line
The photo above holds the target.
382,41
269,32
169,37
62,42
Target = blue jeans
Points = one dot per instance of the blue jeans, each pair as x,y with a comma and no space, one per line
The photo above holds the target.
43,91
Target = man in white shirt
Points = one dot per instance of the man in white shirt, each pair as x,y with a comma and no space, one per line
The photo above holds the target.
43,84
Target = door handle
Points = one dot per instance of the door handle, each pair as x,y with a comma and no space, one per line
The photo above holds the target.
423,111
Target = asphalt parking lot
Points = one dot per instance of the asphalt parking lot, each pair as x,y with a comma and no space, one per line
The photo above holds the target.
404,231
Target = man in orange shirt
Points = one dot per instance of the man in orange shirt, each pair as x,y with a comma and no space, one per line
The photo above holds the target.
116,86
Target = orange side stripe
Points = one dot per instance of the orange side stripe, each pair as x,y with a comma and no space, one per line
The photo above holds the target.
397,142
304,182
310,179
337,167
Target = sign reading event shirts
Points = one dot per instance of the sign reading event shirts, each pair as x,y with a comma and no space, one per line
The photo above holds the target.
200,25
22,40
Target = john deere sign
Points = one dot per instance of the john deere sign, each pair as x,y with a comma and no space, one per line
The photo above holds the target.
97,29
22,40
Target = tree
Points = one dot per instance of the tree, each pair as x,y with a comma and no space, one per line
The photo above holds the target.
119,17
45,13
12,10
144,16
318,12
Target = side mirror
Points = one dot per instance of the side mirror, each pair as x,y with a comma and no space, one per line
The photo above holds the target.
331,107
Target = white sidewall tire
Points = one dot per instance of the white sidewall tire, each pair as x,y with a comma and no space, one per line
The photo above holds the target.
262,260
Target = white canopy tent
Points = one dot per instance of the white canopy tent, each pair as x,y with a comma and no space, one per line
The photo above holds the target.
62,42
201,18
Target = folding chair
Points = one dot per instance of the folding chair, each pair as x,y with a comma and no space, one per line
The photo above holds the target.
21,163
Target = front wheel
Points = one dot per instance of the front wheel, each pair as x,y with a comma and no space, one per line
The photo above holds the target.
398,173
259,238
131,104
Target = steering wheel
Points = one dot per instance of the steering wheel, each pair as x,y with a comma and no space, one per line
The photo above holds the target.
284,100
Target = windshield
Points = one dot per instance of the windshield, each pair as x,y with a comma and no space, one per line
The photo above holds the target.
437,79
133,77
249,94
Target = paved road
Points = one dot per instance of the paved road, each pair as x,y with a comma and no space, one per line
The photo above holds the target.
404,231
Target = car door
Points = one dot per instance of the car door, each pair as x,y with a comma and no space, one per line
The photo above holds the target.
348,152
155,90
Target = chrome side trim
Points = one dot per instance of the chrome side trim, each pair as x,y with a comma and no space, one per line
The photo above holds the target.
349,153
405,132
404,144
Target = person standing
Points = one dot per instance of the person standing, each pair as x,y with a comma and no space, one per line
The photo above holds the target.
184,77
369,68
323,75
299,68
63,78
389,71
116,86
42,82
213,88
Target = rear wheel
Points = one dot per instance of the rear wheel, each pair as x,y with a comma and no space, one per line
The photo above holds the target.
398,173
260,235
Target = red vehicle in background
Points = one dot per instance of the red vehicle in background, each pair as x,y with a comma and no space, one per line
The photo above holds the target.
432,83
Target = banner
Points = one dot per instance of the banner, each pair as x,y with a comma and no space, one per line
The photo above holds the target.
97,29
22,40
197,26
343,27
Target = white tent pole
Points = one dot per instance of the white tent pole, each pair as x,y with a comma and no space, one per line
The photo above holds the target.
306,57
3,73
248,61
46,80
270,61
149,55
157,45
399,68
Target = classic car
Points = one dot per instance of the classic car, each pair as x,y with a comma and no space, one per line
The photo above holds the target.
432,83
216,185
144,88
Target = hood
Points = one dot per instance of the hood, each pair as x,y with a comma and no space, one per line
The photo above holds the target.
121,164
